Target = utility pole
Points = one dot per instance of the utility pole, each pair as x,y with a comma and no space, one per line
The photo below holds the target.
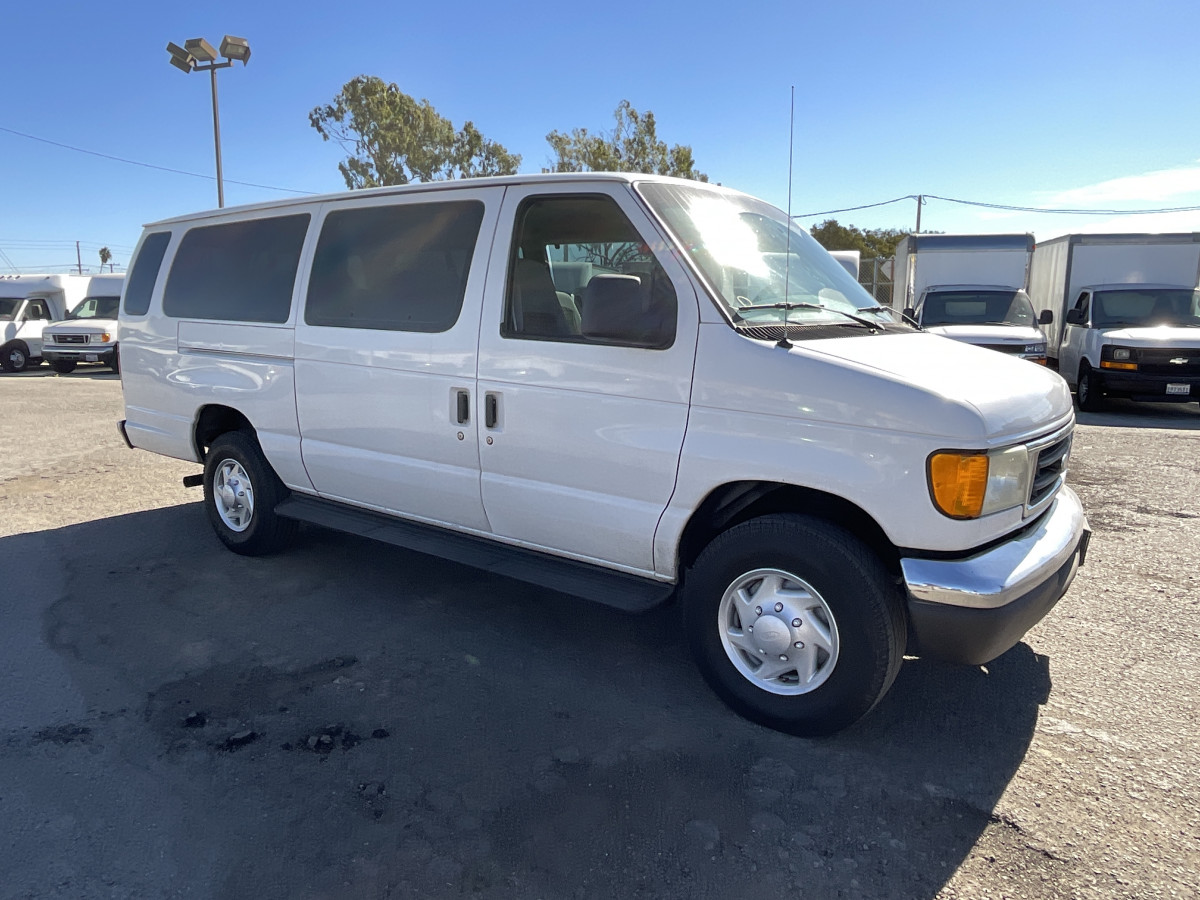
78,259
920,203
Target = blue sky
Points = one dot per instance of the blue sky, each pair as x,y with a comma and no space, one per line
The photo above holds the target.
1041,104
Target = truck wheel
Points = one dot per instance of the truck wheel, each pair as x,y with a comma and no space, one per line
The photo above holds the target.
1089,397
241,491
63,366
794,623
14,357
115,364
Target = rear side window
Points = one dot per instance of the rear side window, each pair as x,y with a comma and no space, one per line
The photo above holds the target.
395,268
239,271
144,273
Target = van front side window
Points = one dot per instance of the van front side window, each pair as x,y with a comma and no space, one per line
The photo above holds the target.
398,268
581,273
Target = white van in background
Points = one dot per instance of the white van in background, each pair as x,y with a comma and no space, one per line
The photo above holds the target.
623,387
88,333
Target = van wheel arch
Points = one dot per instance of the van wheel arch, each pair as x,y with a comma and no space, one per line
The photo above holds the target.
731,504
214,420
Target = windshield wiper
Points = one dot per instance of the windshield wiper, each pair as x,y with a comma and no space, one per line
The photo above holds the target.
789,305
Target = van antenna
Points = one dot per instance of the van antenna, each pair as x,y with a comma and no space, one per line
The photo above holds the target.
787,256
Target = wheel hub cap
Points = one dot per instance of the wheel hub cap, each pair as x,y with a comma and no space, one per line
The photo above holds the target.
233,495
778,631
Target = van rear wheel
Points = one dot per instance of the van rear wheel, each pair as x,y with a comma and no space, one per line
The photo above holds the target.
794,623
241,491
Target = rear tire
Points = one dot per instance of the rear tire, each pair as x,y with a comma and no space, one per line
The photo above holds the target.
14,357
63,366
794,623
241,491
1089,397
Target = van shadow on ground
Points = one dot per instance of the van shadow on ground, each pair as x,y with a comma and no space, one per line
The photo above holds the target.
420,728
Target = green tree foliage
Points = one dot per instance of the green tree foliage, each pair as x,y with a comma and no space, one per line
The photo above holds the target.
105,257
392,138
633,146
871,242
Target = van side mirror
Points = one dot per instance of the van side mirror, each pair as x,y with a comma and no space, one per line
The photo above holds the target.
1074,316
616,309
909,313
1046,317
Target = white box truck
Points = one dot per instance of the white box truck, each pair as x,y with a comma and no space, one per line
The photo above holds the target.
28,303
1127,314
970,287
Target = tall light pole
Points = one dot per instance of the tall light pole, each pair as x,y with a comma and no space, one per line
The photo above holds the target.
198,55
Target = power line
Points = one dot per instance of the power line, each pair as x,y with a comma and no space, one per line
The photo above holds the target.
1007,207
134,162
1068,212
830,212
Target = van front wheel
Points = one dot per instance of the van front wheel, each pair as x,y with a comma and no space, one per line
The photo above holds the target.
241,491
794,623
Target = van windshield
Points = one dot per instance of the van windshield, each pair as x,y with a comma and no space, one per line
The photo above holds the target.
977,308
9,307
764,269
95,308
1146,306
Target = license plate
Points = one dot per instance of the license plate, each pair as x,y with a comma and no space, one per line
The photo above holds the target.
1184,389
92,357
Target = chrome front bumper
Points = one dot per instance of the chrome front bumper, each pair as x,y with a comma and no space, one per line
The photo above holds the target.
973,609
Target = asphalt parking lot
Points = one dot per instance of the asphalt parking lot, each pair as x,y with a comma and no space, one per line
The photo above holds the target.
348,719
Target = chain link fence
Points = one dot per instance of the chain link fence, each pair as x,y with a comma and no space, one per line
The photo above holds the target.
876,275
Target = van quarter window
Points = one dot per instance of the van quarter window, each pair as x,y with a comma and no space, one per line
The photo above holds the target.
581,273
144,273
238,271
397,268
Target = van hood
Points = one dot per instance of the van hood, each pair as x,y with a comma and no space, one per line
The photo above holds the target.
81,326
912,383
1158,336
990,334
1008,395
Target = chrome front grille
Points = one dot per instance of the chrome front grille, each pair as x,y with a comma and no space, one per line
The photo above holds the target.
1049,469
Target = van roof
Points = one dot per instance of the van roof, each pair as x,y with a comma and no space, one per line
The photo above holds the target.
448,185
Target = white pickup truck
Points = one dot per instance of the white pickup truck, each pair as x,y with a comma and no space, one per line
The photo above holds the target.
625,387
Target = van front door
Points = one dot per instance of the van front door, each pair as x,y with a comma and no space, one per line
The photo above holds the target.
385,353
586,352
1075,334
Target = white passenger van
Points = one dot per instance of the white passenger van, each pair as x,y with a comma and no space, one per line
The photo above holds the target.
624,387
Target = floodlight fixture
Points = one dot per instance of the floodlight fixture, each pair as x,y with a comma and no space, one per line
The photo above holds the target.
198,55
236,48
201,49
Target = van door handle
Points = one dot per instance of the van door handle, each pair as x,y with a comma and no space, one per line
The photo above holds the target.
464,407
491,405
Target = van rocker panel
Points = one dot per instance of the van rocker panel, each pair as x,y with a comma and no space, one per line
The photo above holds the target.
607,586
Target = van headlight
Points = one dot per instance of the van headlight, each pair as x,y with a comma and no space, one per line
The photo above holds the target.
967,484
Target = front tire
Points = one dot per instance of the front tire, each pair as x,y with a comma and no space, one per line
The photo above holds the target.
794,623
63,366
115,363
14,357
1087,394
241,491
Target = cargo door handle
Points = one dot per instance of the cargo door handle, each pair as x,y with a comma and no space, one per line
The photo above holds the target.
464,407
491,405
